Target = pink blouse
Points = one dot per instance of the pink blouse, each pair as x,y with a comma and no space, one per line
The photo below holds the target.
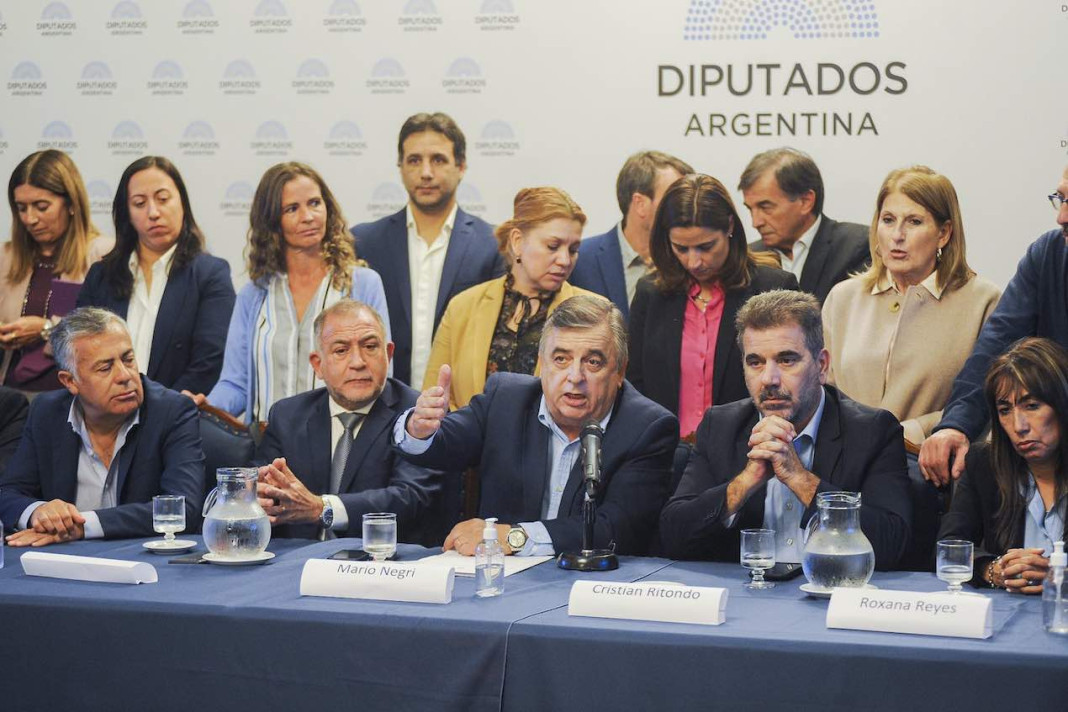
700,331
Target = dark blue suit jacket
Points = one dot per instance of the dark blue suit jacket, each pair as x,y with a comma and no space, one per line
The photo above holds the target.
13,410
190,332
375,478
162,455
858,449
600,269
471,258
499,432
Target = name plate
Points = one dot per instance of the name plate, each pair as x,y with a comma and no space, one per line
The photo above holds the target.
379,581
87,568
962,615
663,602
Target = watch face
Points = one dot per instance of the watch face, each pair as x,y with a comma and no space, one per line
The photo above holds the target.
327,517
517,538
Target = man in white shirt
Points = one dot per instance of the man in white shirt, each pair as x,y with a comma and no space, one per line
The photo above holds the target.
612,263
783,190
431,250
328,454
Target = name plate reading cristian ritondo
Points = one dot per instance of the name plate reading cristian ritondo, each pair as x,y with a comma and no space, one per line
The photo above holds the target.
962,615
664,602
379,581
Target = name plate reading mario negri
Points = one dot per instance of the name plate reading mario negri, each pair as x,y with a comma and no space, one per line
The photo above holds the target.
962,615
664,602
379,581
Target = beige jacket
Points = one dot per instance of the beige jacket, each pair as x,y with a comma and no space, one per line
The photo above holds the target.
902,352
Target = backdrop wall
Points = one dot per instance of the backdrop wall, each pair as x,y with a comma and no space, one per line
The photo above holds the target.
548,92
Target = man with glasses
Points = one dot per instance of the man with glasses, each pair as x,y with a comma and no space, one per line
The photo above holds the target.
1034,304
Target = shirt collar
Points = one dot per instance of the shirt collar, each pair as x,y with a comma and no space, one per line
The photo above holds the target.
162,264
813,427
885,284
809,235
76,419
629,253
446,229
547,420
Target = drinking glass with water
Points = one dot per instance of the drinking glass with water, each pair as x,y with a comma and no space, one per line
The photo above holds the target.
380,535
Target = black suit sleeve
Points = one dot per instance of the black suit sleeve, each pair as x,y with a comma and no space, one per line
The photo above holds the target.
13,412
216,305
633,495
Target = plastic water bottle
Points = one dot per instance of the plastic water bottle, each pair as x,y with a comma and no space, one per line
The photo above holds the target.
1054,593
489,563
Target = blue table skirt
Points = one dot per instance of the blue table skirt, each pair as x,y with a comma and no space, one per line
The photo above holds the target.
207,637
775,652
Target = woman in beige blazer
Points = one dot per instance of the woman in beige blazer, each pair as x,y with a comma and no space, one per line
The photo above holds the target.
496,325
53,243
899,332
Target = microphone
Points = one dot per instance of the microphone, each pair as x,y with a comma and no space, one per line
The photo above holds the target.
591,455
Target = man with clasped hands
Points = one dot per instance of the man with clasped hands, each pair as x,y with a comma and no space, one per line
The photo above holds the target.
523,434
760,462
92,456
328,453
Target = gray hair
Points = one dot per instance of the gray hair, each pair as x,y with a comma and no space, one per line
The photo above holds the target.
588,312
344,307
782,307
638,175
86,321
795,172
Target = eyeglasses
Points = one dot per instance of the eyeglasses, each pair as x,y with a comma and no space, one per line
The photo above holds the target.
1057,200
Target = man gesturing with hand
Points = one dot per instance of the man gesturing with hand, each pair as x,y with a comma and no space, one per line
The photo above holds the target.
760,462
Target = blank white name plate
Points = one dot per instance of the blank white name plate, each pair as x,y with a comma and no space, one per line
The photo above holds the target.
87,568
964,615
379,581
664,602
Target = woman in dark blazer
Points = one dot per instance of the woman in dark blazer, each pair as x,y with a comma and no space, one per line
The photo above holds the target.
1011,499
683,347
176,298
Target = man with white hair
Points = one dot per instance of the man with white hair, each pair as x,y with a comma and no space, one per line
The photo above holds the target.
92,456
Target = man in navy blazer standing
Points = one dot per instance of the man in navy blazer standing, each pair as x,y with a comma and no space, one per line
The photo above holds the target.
329,452
783,190
523,433
431,250
611,264
92,457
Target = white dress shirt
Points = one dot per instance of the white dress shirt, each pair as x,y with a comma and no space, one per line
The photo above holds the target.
796,263
337,430
425,264
144,304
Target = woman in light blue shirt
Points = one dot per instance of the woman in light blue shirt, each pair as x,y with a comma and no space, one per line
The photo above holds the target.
300,260
1010,501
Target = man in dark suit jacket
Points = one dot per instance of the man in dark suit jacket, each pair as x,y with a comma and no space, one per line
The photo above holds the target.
92,457
783,190
612,263
317,483
523,433
13,410
190,330
760,462
431,156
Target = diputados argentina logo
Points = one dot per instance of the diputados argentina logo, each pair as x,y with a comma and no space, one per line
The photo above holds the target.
727,83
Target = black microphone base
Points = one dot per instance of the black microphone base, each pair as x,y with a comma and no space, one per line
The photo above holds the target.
588,560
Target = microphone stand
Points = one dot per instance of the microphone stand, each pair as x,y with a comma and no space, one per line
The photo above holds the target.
589,559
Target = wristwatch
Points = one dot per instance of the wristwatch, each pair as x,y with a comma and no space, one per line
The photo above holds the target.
517,538
326,519
46,330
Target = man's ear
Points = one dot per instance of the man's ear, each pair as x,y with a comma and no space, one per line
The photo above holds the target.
68,381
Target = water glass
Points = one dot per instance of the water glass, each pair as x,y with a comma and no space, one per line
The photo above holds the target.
953,559
168,515
380,535
758,554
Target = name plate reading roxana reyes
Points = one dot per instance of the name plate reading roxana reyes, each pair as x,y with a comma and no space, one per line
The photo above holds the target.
379,581
964,615
664,602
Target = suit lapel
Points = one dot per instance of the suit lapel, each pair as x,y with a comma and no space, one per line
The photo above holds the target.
828,441
725,337
377,420
459,243
317,431
675,315
398,254
818,254
480,327
174,300
535,458
752,512
613,271
66,446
